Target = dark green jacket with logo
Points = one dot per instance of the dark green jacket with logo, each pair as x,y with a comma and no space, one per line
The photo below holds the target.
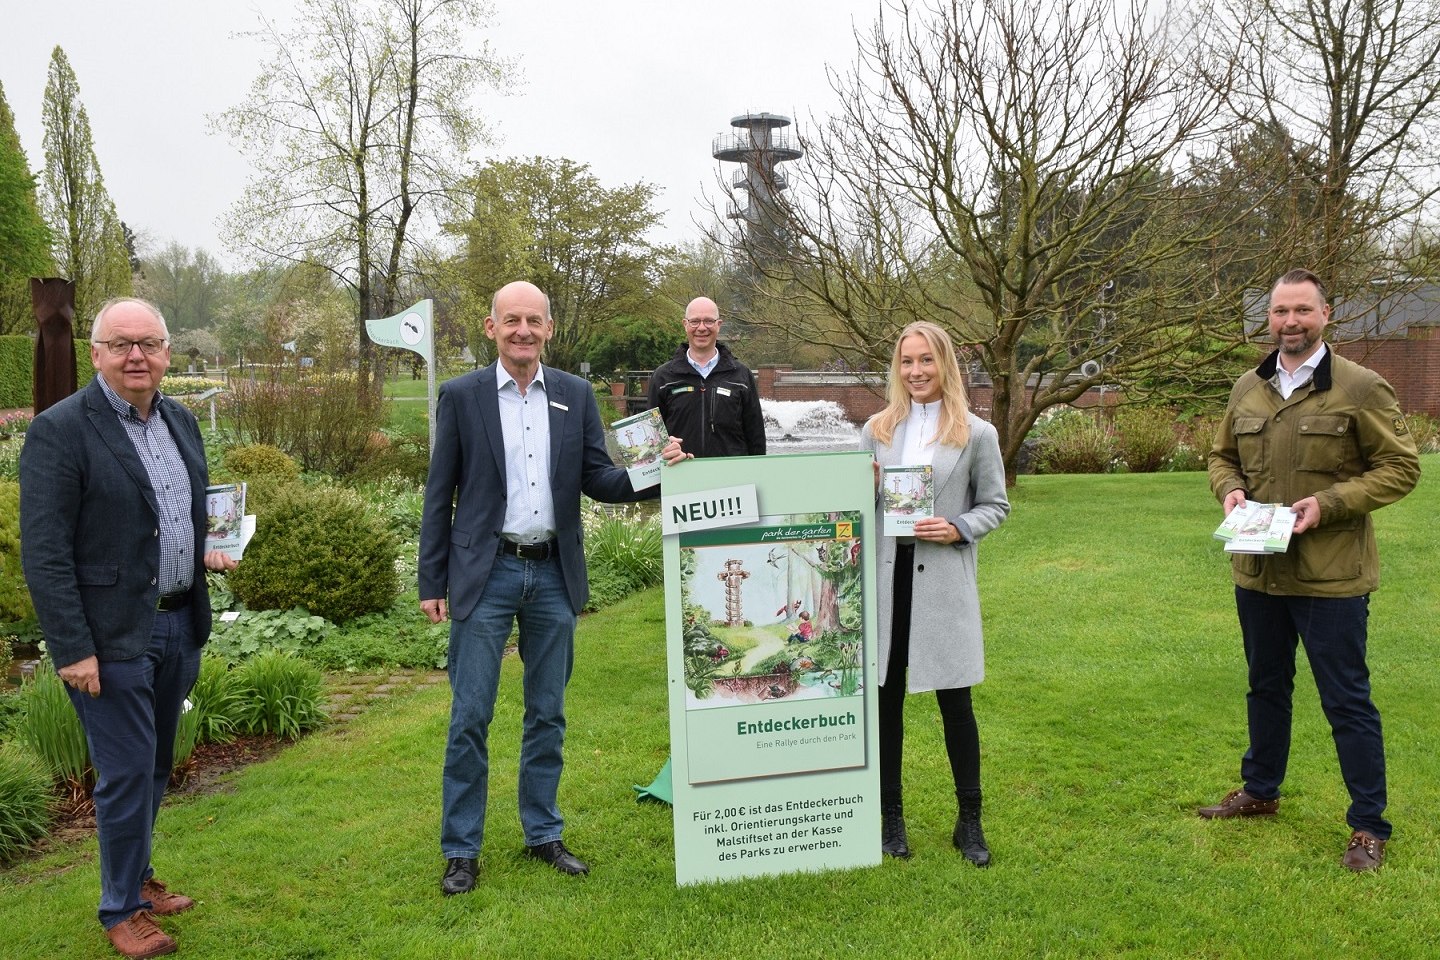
1340,438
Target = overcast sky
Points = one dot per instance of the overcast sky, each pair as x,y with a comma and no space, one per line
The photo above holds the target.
635,88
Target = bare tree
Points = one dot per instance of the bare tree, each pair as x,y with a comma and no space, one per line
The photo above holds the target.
1008,169
359,126
1350,92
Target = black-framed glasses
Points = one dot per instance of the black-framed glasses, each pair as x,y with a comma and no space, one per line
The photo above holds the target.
120,347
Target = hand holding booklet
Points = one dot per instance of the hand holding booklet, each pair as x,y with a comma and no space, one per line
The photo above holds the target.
1257,528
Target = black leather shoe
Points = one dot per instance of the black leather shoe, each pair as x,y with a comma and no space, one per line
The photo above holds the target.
459,876
555,854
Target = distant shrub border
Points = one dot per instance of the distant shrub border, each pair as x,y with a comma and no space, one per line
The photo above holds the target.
17,362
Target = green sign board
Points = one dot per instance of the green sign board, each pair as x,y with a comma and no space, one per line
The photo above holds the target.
770,640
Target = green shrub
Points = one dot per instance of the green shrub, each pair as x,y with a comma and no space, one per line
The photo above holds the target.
255,460
1146,437
216,700
399,501
325,421
320,548
262,631
27,801
280,694
399,637
1073,441
51,729
7,657
14,595
622,554
10,458
12,708
264,470
406,456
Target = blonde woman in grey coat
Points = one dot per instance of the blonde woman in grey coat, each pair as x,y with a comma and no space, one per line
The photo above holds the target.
929,612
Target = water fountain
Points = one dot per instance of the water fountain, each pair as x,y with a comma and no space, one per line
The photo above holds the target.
807,426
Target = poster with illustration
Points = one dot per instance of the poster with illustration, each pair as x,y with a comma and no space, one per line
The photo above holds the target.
770,643
639,440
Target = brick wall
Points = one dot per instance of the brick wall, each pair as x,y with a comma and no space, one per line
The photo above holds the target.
1411,364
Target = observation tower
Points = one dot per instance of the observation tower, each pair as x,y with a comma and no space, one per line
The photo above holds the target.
761,143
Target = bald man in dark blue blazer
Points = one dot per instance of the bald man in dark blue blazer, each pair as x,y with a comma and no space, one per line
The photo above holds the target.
515,446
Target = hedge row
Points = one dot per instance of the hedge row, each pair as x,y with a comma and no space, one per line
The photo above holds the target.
17,368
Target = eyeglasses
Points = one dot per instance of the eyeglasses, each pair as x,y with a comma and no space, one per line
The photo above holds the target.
702,322
120,347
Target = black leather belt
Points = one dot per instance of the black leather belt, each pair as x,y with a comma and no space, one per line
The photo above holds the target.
172,601
528,551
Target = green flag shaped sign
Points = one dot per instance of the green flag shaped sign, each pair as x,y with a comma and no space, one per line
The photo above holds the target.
411,330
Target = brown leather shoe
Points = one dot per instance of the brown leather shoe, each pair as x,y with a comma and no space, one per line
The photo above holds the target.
137,937
1238,803
164,903
1365,852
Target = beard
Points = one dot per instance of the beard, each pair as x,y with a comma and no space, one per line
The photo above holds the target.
1308,339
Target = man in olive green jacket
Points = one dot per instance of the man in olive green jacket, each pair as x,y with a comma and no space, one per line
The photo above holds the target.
1313,430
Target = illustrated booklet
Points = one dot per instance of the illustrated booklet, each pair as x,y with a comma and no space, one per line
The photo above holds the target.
907,494
228,528
639,440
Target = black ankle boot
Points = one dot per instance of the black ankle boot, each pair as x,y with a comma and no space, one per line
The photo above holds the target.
969,839
893,841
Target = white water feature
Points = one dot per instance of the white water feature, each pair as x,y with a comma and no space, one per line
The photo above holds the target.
807,426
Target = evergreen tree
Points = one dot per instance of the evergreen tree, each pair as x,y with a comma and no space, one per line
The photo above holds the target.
89,241
24,239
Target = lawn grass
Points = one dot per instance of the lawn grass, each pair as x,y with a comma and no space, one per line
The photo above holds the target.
1113,707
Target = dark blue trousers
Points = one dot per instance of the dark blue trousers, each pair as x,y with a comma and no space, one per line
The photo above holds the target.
1333,630
131,731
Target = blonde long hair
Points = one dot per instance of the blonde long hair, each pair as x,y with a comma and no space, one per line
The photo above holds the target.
953,428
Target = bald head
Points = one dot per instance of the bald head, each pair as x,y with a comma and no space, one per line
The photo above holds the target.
702,328
518,287
519,323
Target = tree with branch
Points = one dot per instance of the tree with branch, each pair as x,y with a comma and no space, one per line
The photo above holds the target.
552,222
1347,94
88,238
1013,170
359,126
24,238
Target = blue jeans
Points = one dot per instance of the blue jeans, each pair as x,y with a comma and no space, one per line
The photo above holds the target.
532,592
1333,630
130,728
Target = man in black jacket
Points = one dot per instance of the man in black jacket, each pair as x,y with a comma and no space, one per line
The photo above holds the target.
705,395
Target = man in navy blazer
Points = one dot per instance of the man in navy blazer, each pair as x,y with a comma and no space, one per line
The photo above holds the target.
515,445
112,533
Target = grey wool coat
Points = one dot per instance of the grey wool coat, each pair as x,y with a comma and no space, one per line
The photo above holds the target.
946,646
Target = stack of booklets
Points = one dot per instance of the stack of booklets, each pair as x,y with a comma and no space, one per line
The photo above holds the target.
1257,528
